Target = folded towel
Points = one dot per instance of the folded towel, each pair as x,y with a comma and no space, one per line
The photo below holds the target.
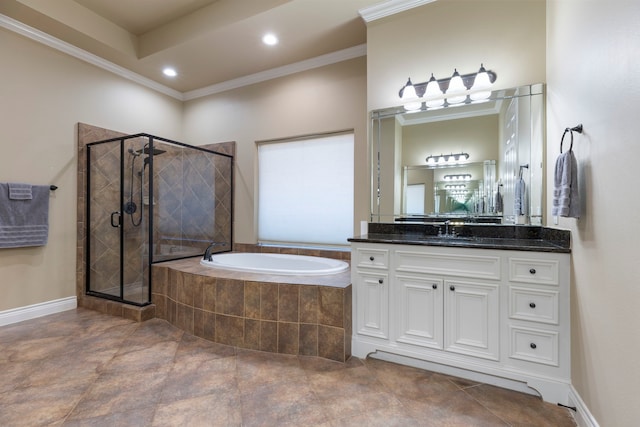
519,199
18,191
24,222
566,197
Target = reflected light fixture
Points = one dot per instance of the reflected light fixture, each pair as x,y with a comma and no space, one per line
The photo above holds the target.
454,90
458,177
455,186
447,158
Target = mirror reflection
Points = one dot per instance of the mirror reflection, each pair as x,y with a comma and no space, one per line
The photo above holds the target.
464,162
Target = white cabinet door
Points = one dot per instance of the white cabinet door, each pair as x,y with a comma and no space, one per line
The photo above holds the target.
472,318
372,304
419,311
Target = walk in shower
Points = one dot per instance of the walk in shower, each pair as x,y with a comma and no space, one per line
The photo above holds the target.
149,200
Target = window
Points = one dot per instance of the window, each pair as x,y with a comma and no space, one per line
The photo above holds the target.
305,190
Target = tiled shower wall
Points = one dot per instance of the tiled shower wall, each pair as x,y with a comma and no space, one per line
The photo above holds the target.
195,172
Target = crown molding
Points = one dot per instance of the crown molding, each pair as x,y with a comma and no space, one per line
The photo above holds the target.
62,46
274,73
388,8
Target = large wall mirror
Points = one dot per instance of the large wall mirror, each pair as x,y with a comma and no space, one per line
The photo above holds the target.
472,162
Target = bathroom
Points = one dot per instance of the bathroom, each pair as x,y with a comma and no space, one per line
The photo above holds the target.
560,49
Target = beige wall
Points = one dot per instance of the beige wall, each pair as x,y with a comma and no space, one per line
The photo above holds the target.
507,36
593,75
43,94
326,99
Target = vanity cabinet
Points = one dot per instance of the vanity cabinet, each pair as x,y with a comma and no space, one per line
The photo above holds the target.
498,316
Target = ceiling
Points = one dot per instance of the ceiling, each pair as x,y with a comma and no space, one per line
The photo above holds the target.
208,42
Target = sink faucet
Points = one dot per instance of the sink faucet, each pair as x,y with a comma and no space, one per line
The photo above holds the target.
447,223
207,252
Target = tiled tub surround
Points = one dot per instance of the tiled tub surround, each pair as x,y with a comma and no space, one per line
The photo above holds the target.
300,315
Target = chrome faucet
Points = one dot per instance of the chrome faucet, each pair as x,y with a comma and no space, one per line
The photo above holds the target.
447,223
207,252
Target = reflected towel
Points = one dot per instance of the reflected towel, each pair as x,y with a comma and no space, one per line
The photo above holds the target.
497,205
24,222
519,199
566,198
18,191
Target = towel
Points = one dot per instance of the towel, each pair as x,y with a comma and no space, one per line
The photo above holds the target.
19,191
566,198
497,205
519,199
24,222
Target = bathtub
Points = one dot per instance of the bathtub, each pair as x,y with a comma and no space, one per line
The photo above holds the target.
283,264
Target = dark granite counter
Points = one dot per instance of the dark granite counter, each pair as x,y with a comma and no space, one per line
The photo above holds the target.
494,236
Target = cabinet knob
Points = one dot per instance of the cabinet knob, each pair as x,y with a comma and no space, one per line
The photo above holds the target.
452,288
532,270
380,281
533,345
434,286
532,304
371,258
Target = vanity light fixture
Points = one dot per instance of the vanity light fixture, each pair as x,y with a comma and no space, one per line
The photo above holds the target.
458,177
457,89
447,158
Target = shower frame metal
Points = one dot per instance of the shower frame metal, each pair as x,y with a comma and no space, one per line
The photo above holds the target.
150,242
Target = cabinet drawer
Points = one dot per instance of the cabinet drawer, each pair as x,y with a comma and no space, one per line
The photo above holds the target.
534,345
534,305
541,272
473,266
372,258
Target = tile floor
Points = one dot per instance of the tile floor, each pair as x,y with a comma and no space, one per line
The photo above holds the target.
83,368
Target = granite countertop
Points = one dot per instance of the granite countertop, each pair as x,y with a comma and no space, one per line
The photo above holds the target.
520,238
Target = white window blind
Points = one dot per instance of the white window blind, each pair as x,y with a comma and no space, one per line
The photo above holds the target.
305,190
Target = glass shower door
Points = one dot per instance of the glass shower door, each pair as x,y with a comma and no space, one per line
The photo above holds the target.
117,221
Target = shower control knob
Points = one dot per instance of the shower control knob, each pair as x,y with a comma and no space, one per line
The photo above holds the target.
532,304
532,271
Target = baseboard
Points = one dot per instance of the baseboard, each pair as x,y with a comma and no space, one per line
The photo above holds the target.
582,415
21,314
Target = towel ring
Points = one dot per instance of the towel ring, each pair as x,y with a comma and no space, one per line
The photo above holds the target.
570,130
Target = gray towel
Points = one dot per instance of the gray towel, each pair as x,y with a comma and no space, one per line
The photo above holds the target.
18,191
566,198
24,222
519,199
497,205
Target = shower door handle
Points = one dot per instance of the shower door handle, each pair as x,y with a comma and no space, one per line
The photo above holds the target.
119,219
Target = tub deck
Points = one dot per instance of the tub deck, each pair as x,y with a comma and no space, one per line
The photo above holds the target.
301,315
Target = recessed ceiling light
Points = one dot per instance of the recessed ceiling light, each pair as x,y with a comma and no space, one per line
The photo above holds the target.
170,72
270,39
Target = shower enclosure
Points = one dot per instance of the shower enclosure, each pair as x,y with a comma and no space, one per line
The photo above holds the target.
149,200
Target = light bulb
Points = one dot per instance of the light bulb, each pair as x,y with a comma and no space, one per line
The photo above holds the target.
481,84
456,86
433,91
409,97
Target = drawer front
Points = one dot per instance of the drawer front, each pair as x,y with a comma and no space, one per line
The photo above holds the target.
473,266
372,258
541,272
534,345
535,305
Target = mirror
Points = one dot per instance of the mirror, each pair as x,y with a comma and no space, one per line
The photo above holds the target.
503,138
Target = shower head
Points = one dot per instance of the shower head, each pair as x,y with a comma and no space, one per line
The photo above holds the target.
146,150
